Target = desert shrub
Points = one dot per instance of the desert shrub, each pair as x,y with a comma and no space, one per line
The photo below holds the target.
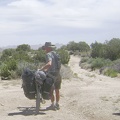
85,66
111,73
96,49
7,54
0,63
86,62
39,56
5,73
22,55
116,67
108,50
85,54
23,47
97,63
65,57
22,65
100,62
113,49
90,60
11,64
84,59
116,61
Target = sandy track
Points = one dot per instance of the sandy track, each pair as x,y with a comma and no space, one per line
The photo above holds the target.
88,97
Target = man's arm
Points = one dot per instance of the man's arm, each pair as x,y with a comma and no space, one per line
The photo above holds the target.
47,66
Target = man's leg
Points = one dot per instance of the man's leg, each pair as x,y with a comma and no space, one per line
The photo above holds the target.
52,106
57,98
52,95
57,92
57,95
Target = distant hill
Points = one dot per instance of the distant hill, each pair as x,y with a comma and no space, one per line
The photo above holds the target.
34,47
58,45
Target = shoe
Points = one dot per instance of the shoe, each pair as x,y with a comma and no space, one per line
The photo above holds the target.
57,106
51,107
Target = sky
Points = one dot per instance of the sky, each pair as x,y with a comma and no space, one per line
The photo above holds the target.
58,21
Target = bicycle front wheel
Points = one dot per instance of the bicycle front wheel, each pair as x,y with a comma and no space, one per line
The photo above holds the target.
38,97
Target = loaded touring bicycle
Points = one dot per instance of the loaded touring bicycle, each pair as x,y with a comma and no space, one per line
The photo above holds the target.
36,85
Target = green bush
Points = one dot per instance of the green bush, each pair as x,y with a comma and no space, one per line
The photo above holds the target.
7,54
116,61
97,63
6,69
5,73
108,50
84,59
96,49
100,62
90,60
22,55
85,66
12,64
65,57
22,65
23,47
39,56
111,73
85,54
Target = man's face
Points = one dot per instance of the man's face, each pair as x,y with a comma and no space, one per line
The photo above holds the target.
47,49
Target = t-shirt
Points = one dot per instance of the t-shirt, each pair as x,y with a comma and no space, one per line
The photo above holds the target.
50,57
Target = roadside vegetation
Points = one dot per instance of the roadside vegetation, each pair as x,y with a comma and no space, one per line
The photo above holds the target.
14,61
104,57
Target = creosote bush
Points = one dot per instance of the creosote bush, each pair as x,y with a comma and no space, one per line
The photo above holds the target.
64,54
111,73
5,73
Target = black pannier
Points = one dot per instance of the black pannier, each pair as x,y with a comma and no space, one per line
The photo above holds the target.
28,83
46,88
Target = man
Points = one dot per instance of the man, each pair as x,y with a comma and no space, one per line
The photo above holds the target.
49,68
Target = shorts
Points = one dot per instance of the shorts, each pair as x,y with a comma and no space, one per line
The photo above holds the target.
57,84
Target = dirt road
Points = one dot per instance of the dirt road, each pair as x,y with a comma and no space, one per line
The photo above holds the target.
88,96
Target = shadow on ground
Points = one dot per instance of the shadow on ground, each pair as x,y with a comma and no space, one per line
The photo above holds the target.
118,114
26,111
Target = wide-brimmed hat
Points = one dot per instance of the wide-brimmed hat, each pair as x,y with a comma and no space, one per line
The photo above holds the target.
48,44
